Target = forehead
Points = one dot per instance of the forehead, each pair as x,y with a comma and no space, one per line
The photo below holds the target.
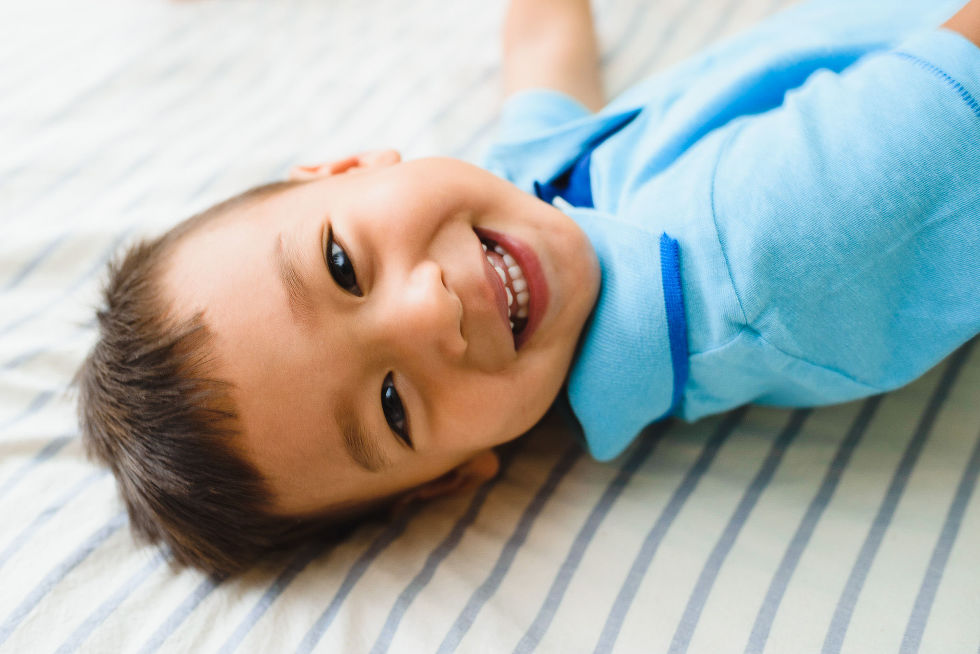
226,271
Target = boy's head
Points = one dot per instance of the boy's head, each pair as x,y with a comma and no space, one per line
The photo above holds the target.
368,348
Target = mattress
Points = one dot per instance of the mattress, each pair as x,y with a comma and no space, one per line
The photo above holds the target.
851,528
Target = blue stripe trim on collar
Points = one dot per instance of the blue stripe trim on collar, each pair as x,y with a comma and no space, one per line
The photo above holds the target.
670,271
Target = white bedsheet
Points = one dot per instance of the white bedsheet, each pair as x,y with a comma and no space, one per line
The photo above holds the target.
853,528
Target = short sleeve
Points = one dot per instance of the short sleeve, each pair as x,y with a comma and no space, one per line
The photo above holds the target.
850,215
540,132
530,112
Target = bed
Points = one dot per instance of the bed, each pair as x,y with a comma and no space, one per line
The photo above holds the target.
852,528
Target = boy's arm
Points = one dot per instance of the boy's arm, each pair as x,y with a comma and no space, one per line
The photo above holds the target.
967,21
552,44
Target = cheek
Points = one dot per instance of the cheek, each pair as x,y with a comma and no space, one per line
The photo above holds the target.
542,382
513,407
407,207
480,414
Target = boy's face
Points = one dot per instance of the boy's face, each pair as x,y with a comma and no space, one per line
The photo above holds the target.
397,327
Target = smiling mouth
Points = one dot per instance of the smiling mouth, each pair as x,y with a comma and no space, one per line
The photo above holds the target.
515,285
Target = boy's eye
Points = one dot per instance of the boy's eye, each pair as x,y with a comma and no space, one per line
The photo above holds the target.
340,266
394,411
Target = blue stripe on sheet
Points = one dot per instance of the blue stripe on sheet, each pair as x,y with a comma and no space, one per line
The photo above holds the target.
837,630
627,592
72,105
256,138
42,61
797,545
432,562
509,551
389,535
307,555
179,614
81,330
86,160
76,102
919,617
39,401
90,157
709,573
33,263
370,88
220,71
22,358
67,291
50,247
53,447
50,580
641,452
392,111
484,78
47,513
104,610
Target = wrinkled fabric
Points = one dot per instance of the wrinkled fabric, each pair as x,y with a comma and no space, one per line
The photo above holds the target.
821,174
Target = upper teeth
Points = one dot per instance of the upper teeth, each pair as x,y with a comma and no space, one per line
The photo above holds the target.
513,280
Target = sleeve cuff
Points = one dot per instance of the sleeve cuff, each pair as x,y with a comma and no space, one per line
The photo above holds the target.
949,56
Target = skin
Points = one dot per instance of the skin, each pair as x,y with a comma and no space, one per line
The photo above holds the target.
552,44
427,316
967,21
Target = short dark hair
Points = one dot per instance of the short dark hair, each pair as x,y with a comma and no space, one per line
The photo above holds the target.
151,411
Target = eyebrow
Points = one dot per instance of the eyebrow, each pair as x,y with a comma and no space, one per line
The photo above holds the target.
297,292
363,449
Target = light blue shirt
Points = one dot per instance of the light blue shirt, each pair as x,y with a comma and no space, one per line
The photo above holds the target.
821,174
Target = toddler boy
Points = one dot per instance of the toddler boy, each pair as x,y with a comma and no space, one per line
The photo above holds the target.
791,218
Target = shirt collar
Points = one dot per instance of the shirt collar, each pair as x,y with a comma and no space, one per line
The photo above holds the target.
622,377
555,150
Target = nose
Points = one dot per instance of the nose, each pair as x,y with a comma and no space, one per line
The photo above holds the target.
423,317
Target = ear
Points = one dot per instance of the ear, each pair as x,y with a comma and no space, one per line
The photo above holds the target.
463,478
362,161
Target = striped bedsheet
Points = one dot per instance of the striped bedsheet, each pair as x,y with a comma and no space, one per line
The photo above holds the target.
853,528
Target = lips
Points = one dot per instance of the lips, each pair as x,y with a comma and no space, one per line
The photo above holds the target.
528,268
515,286
499,291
